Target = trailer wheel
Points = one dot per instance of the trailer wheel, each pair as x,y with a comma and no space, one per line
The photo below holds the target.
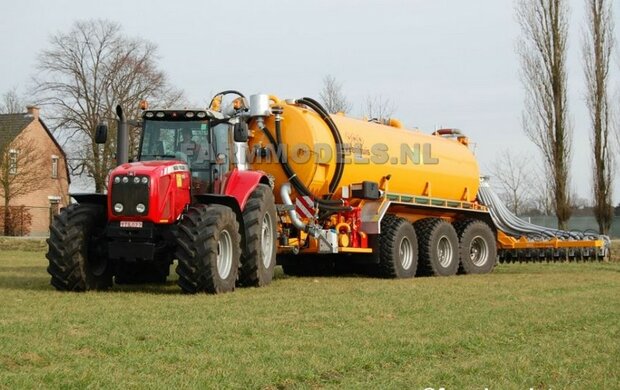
208,249
258,259
477,247
77,256
398,248
438,245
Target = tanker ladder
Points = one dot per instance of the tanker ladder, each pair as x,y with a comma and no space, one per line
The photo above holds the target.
521,241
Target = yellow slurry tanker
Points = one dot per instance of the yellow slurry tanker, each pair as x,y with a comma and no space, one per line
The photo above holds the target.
229,191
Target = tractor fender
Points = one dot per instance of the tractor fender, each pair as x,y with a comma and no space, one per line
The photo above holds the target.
228,201
241,184
238,187
98,199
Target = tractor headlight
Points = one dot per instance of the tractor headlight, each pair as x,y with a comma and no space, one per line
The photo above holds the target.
140,208
125,180
118,207
117,179
136,180
145,180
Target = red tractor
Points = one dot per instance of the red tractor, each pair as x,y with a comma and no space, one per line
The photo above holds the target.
185,197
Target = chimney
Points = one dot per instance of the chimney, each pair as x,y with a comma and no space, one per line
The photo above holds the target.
33,110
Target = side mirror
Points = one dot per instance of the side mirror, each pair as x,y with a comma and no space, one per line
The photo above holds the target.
101,133
240,132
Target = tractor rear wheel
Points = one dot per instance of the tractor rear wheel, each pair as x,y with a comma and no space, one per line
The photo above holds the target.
439,246
76,252
258,259
208,249
477,247
398,248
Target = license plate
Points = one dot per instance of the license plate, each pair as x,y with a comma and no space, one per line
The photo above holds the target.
131,224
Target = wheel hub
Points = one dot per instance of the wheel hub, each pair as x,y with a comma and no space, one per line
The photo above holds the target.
267,240
405,252
224,254
478,251
444,251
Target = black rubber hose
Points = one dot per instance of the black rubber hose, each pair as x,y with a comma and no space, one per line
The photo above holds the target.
290,174
318,108
227,92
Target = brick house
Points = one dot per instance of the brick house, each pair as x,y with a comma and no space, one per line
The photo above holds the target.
51,193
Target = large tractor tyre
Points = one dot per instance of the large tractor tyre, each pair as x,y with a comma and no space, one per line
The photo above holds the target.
76,252
208,243
477,247
439,247
258,259
307,265
398,248
142,272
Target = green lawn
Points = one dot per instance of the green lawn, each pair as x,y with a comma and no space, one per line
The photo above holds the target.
537,325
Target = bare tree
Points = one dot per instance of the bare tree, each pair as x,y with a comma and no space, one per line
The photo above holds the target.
378,108
83,76
544,27
332,96
22,168
598,44
513,172
11,103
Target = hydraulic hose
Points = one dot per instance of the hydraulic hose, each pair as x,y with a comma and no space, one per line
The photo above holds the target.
227,92
512,225
292,176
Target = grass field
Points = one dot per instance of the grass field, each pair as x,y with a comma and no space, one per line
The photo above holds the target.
537,325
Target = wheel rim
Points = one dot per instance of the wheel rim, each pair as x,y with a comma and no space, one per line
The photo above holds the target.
478,251
224,254
444,251
267,240
405,252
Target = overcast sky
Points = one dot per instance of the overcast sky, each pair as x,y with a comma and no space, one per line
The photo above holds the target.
442,63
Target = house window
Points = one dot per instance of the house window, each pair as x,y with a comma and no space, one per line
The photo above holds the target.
13,162
54,167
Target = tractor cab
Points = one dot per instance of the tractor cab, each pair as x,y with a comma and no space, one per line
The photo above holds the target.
190,136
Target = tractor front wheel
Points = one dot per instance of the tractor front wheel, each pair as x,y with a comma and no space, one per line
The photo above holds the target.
77,255
208,249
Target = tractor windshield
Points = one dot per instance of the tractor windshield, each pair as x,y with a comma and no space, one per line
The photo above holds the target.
180,140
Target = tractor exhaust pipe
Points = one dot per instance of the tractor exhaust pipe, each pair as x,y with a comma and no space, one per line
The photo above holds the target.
122,138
